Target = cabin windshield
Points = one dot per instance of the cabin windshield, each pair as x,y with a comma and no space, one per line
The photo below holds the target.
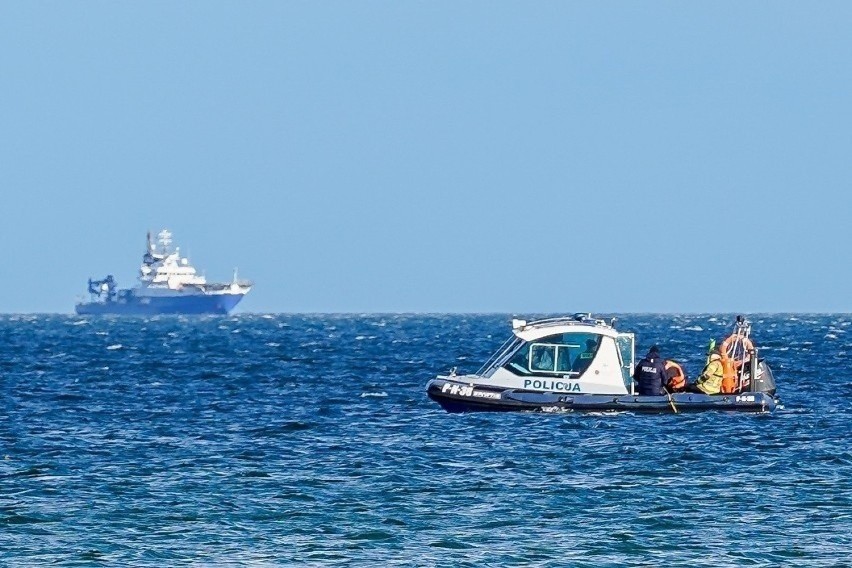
560,354
500,357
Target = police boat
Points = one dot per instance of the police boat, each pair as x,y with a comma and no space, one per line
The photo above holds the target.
581,363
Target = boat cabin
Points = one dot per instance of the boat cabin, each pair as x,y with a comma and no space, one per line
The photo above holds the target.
577,354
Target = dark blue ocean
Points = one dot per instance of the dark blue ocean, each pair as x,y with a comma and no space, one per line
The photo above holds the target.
276,440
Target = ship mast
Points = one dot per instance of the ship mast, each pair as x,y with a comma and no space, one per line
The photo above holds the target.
165,238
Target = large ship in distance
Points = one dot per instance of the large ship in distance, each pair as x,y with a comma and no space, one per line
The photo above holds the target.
168,284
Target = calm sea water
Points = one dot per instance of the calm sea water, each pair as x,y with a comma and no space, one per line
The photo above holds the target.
308,440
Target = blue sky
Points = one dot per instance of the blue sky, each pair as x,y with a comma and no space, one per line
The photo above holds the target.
434,156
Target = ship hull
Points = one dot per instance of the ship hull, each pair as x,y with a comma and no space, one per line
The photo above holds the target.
198,304
466,397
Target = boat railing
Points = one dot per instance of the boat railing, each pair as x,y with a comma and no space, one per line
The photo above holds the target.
568,320
226,285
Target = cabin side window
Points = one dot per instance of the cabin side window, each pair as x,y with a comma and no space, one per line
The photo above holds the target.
543,357
561,354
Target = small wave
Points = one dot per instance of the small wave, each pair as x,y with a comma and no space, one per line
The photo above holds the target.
376,394
114,347
255,473
830,336
296,426
273,344
451,543
694,328
17,519
371,535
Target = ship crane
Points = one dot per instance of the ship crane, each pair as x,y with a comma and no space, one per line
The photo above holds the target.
105,287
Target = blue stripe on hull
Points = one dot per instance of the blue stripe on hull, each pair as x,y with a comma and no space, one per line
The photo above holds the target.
214,304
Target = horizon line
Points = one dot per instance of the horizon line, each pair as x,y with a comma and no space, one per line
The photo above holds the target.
427,313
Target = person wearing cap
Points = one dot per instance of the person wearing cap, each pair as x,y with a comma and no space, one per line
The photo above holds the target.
710,380
650,373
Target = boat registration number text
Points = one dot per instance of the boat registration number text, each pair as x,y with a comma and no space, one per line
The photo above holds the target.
462,390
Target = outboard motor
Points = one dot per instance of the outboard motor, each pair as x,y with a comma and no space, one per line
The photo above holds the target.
764,380
757,376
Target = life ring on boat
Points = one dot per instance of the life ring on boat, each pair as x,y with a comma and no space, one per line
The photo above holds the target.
728,346
675,377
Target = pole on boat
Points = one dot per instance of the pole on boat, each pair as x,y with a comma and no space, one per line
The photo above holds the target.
753,370
671,400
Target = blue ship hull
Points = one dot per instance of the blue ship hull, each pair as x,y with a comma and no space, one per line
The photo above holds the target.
213,304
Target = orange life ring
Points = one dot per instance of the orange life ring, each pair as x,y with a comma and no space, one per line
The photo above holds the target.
728,347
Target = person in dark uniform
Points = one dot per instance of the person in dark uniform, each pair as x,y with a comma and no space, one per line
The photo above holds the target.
584,359
650,373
